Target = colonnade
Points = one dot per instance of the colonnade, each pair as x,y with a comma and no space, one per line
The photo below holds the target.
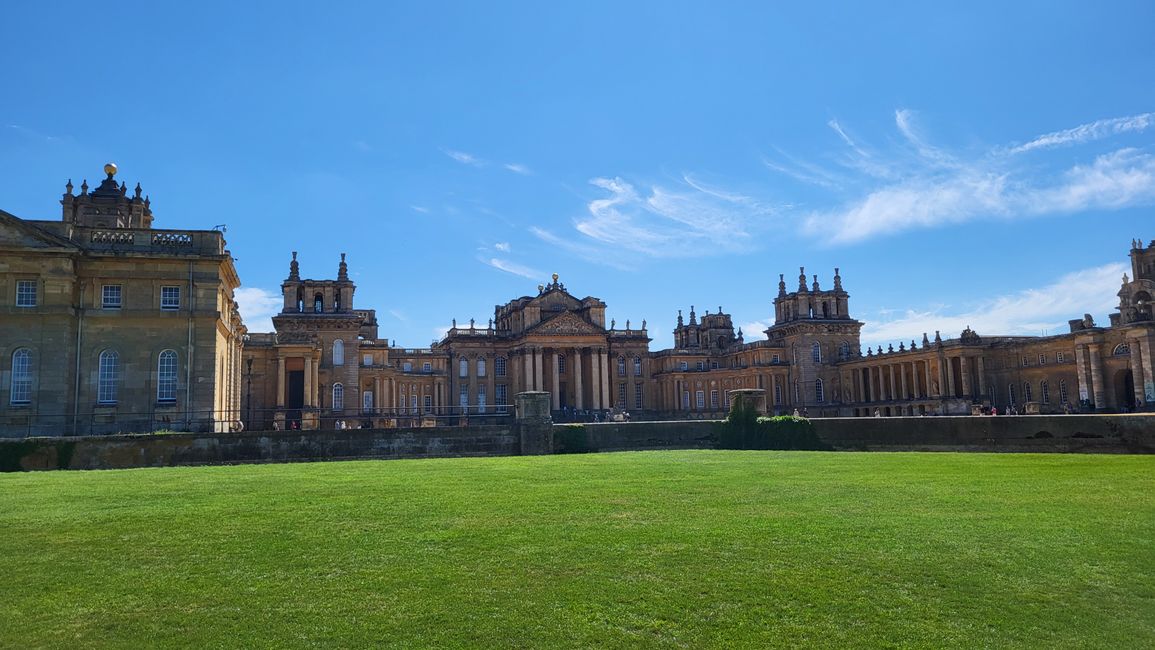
597,359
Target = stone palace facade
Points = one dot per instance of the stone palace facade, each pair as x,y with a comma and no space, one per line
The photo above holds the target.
108,324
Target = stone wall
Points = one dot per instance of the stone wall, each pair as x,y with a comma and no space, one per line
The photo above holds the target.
1041,433
124,451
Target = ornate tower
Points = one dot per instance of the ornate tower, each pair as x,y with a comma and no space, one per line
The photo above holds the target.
108,206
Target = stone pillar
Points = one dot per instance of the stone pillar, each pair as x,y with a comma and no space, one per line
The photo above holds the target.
982,377
926,369
538,376
950,390
1148,377
280,382
1082,373
527,369
308,401
579,358
533,422
965,375
905,388
605,379
556,381
858,385
596,388
743,398
1098,390
890,376
377,397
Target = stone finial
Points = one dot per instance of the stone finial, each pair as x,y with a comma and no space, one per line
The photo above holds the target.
802,278
679,318
781,285
294,268
1126,279
136,192
869,352
627,324
643,324
901,346
925,340
837,280
890,348
68,187
540,288
471,322
719,309
880,349
816,283
693,316
123,189
912,345
937,337
613,323
84,186
454,323
146,200
343,270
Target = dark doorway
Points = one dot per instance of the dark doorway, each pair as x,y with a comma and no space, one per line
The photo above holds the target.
1125,384
295,398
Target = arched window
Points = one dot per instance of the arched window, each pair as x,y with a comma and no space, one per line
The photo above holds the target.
1045,392
1122,350
481,367
637,366
1011,394
621,366
819,394
338,352
777,392
108,376
338,397
1063,391
463,368
166,376
843,351
21,377
816,352
1028,396
318,304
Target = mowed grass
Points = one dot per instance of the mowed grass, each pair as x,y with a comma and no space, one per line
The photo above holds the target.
651,549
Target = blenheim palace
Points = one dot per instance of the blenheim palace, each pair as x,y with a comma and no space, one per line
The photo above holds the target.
109,324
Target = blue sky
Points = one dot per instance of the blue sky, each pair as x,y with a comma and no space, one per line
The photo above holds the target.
982,164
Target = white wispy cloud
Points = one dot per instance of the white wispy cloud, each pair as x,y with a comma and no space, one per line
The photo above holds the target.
503,246
361,145
1096,130
512,267
518,168
923,186
419,208
689,219
464,158
1026,312
399,315
258,306
587,250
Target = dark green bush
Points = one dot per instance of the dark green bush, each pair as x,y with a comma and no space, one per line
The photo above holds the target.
571,439
746,430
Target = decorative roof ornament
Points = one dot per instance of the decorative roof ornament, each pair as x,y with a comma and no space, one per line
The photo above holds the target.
781,285
837,280
816,289
679,318
110,169
693,316
802,279
343,270
68,187
294,268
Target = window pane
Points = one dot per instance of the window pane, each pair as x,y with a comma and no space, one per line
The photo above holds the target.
107,376
166,377
25,293
21,377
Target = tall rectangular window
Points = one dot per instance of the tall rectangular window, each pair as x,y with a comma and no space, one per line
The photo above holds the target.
26,293
108,375
637,396
500,396
170,298
413,404
685,400
166,376
481,398
714,400
622,394
21,392
637,366
700,399
499,366
463,368
1045,389
428,403
1027,396
561,364
1059,358
777,393
1063,391
463,396
621,366
1011,394
1042,359
481,367
110,296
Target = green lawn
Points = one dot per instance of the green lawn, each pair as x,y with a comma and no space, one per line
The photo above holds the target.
661,549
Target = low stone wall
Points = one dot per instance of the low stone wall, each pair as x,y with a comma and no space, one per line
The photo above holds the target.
124,451
1043,433
1040,433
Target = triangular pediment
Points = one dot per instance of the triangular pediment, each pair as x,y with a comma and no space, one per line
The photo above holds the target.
17,233
556,299
567,324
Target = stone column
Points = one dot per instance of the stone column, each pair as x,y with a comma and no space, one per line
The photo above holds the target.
605,379
527,370
596,388
556,381
280,382
965,373
905,389
858,385
377,397
893,387
982,377
308,401
1081,372
950,391
578,358
538,376
1148,377
1097,387
926,369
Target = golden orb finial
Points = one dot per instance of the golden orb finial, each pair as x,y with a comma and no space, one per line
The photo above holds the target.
555,277
110,169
